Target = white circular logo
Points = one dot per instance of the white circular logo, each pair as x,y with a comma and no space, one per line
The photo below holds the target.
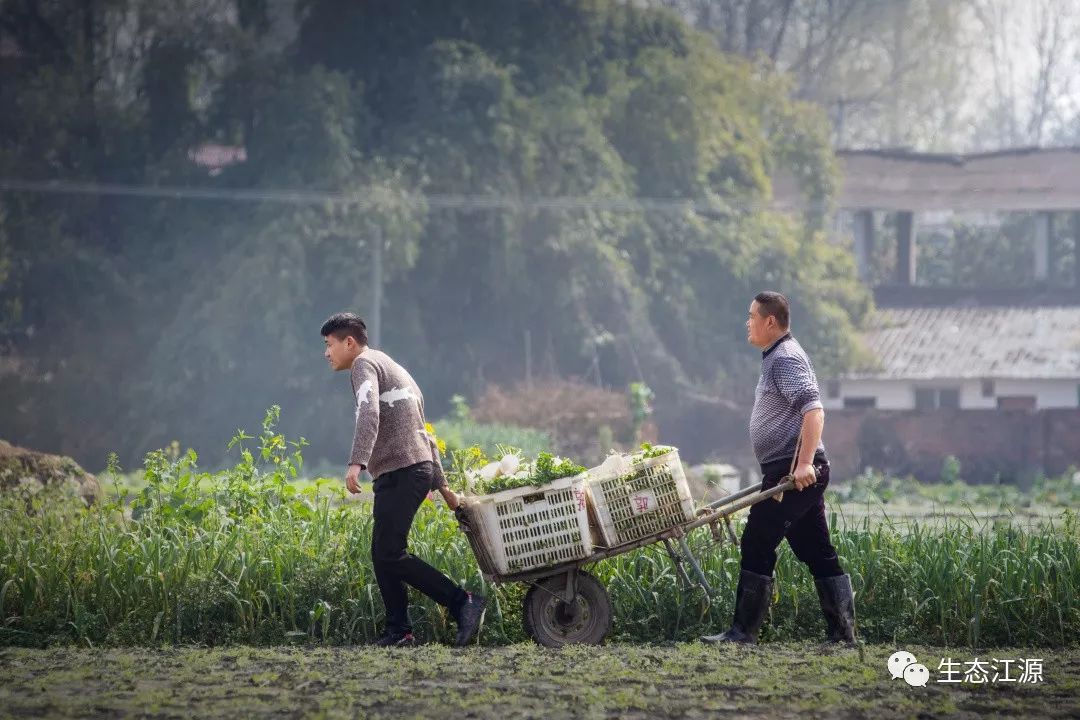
916,675
898,661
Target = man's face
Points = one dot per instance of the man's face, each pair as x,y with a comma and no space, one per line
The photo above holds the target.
340,353
759,330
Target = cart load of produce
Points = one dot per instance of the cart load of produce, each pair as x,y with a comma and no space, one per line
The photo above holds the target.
640,494
532,513
512,471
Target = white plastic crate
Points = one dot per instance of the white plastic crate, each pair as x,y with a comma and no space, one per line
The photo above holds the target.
531,527
634,500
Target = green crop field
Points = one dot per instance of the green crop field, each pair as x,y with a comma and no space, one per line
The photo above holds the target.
244,556
211,594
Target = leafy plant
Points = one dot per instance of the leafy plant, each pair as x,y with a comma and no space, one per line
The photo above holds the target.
545,470
950,470
649,451
473,472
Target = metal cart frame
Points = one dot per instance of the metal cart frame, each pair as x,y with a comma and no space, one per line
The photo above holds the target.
566,604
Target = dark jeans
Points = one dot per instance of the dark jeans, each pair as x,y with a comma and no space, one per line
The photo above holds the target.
398,495
799,517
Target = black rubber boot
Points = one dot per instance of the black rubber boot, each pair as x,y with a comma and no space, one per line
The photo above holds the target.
838,605
751,603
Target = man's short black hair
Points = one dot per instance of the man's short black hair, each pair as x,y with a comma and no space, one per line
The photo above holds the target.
776,305
345,324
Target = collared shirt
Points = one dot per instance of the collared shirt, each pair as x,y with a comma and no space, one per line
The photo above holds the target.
786,390
782,338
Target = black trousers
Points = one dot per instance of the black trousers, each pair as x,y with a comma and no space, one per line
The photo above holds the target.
799,517
398,495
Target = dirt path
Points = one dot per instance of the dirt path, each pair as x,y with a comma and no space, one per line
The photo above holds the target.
624,681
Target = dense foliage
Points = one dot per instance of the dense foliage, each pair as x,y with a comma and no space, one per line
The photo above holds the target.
179,318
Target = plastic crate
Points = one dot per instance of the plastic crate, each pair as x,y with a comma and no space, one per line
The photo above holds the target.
531,527
635,500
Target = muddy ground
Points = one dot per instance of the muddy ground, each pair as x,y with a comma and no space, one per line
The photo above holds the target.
626,681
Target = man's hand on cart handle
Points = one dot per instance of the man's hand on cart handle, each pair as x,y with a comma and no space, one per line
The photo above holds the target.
450,497
794,480
805,476
453,501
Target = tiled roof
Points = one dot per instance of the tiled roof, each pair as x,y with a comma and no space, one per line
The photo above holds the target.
974,342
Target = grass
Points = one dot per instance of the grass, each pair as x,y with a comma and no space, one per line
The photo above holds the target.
625,681
245,556
293,570
904,500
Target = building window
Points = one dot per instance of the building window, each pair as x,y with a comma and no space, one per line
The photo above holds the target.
937,398
860,402
1017,402
987,388
833,388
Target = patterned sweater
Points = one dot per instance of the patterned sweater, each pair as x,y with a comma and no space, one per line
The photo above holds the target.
786,390
390,432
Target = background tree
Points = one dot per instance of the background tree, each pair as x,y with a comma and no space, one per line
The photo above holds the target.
145,320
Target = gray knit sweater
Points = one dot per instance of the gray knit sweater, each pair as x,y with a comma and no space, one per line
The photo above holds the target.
390,432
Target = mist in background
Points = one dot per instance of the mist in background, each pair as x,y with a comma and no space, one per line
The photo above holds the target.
514,195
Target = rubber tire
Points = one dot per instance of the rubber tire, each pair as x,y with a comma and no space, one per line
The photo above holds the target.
542,612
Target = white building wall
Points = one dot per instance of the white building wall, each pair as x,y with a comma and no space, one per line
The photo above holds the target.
900,394
890,394
971,396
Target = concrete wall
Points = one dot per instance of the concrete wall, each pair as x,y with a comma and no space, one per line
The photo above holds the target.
900,394
1014,444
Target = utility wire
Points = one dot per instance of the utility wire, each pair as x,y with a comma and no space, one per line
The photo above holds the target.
717,206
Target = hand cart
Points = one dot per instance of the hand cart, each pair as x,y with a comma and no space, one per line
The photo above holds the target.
566,604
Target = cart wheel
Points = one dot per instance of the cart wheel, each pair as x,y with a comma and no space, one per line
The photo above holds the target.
553,623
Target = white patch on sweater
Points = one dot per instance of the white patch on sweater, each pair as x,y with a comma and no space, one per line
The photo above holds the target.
392,396
362,396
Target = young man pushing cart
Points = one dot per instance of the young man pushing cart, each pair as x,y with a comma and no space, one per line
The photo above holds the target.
391,442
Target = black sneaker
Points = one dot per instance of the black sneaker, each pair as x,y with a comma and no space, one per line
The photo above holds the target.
469,617
396,639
